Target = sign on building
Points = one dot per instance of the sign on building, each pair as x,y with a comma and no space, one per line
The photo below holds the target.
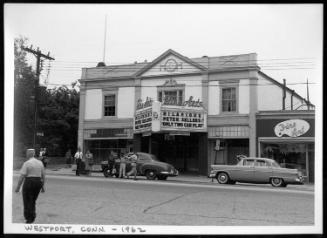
188,117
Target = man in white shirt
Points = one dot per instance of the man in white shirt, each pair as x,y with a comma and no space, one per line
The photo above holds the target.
33,176
78,159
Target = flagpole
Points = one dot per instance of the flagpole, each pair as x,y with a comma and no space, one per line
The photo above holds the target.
104,43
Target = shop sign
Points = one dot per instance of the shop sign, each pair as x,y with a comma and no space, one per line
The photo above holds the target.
292,128
108,133
140,104
189,103
143,120
182,119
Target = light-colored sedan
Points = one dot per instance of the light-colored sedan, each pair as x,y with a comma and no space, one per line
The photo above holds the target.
256,170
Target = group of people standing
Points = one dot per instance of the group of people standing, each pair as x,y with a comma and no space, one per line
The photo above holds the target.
83,160
122,164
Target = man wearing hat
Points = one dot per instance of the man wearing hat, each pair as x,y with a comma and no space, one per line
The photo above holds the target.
32,174
133,171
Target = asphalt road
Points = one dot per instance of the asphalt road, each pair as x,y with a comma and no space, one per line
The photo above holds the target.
83,200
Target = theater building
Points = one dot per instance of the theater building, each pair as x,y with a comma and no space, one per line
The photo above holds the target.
190,112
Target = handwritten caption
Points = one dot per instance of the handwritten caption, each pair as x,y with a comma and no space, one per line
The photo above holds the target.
82,229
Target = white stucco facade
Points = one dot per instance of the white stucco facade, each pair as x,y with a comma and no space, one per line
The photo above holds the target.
244,96
270,96
182,67
93,104
213,98
125,102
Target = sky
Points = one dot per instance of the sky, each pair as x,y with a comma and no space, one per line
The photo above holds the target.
286,37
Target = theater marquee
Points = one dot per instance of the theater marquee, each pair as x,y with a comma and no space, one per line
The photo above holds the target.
158,117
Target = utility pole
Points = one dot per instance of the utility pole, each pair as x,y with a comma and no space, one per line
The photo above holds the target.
38,54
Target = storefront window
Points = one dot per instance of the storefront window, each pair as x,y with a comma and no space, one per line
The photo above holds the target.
290,155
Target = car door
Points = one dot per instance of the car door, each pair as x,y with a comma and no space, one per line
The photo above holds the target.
245,172
141,160
262,171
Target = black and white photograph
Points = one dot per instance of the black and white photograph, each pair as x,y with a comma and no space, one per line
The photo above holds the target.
139,119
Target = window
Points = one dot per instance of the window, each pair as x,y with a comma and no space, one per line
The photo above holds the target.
229,99
248,162
109,105
171,97
261,163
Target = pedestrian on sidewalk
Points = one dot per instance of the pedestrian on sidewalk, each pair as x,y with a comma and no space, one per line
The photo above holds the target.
122,167
44,156
89,160
78,160
33,176
133,166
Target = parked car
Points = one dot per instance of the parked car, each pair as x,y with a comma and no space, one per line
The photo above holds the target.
256,170
147,165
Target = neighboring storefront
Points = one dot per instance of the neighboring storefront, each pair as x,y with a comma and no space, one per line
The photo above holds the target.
101,141
174,133
288,138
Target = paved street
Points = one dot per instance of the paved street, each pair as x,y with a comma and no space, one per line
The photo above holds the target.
98,200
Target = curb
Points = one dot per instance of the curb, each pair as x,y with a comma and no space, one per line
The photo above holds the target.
172,180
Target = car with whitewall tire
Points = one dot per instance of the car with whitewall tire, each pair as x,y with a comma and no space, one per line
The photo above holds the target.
256,170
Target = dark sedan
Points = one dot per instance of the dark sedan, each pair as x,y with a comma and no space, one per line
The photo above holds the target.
147,165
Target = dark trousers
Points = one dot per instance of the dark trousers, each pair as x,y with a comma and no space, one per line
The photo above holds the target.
78,166
31,190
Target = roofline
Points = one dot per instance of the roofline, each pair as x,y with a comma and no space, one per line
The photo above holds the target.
282,86
163,55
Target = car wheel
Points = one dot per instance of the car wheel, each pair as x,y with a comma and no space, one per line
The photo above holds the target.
150,174
222,178
162,177
277,182
106,173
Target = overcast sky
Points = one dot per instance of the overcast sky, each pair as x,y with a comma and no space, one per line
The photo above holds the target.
287,38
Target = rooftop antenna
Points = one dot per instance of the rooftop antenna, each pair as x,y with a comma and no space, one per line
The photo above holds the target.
308,101
104,43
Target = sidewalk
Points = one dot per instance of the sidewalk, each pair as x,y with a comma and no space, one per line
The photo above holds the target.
182,178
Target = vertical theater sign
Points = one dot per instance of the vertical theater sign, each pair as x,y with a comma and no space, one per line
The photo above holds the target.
154,116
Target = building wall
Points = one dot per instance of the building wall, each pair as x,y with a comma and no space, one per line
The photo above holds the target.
270,97
213,98
193,86
126,102
93,104
185,68
244,96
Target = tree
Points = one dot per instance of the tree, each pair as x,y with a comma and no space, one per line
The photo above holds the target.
57,110
23,99
58,119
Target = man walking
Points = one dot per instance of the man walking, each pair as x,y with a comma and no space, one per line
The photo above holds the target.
133,165
78,159
122,167
32,174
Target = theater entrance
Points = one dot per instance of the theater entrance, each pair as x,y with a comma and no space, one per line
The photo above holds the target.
184,152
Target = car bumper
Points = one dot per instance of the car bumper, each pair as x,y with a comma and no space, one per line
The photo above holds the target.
212,175
170,173
299,181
